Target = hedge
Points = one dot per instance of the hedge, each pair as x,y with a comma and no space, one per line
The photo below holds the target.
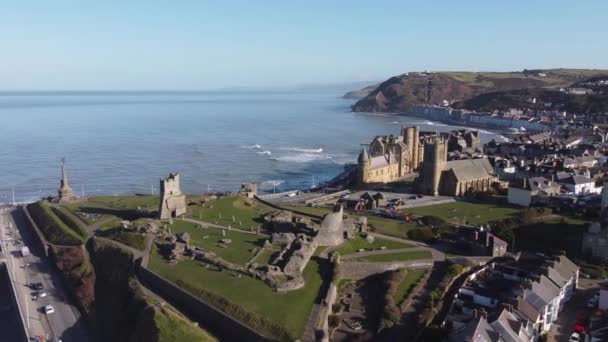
53,228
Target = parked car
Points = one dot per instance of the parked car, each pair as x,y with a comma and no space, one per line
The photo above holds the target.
413,197
36,286
48,309
575,337
37,295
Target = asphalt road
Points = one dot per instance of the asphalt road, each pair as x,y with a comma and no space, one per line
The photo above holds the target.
65,323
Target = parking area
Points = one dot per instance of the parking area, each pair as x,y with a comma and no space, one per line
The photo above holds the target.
573,310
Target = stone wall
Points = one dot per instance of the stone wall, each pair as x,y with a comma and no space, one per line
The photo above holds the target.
223,326
322,328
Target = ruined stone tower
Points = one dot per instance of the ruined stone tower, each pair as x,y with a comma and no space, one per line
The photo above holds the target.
65,193
172,201
435,158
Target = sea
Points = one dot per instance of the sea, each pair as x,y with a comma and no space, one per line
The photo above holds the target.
124,142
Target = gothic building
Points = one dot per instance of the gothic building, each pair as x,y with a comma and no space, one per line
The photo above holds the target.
389,158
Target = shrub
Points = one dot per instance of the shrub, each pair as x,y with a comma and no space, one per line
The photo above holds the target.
423,234
127,237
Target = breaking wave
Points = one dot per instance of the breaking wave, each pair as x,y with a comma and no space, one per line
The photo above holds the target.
305,150
265,152
303,157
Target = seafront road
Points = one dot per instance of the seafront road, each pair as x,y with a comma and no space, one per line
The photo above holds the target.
66,322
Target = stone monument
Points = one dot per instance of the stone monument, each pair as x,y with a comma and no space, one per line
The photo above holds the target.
65,192
172,201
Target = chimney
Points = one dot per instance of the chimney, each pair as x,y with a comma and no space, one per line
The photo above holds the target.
483,313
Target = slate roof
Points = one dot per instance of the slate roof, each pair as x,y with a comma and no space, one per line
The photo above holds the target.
470,169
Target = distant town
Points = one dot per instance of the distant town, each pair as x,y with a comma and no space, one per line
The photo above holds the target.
429,236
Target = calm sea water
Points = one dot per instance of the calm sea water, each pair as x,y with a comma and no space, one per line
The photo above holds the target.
123,143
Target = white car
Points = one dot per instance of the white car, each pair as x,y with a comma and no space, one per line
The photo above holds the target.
575,337
48,309
41,294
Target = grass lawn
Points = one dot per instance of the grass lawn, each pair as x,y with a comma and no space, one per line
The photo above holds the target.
396,228
128,202
407,284
351,246
129,238
401,256
113,223
174,328
227,207
266,256
555,235
240,251
463,212
290,310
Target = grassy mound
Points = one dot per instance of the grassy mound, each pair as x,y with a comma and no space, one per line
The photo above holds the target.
53,228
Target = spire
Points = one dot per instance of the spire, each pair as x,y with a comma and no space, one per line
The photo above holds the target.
364,155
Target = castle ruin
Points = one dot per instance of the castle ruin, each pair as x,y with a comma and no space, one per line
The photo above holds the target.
173,202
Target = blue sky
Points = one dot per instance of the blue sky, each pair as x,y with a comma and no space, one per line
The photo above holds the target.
212,44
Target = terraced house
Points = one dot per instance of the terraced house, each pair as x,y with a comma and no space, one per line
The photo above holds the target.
513,299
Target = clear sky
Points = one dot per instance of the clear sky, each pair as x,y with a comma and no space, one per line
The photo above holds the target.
180,44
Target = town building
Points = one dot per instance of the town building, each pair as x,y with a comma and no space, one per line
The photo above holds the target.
452,178
528,292
532,190
390,158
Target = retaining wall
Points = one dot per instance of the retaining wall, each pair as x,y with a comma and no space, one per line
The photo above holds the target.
223,326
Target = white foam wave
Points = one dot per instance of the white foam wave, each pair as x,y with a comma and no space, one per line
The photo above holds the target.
395,123
305,150
254,147
431,123
303,157
267,153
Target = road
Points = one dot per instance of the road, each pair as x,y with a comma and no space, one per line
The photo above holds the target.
65,323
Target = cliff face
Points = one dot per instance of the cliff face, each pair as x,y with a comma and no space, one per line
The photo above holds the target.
401,93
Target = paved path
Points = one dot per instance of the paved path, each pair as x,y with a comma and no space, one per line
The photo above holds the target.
213,225
358,270
382,251
437,255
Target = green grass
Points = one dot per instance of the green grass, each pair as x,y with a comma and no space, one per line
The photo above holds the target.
248,212
129,238
240,251
174,328
127,202
401,256
407,284
290,310
54,229
463,212
396,228
266,256
351,246
113,223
